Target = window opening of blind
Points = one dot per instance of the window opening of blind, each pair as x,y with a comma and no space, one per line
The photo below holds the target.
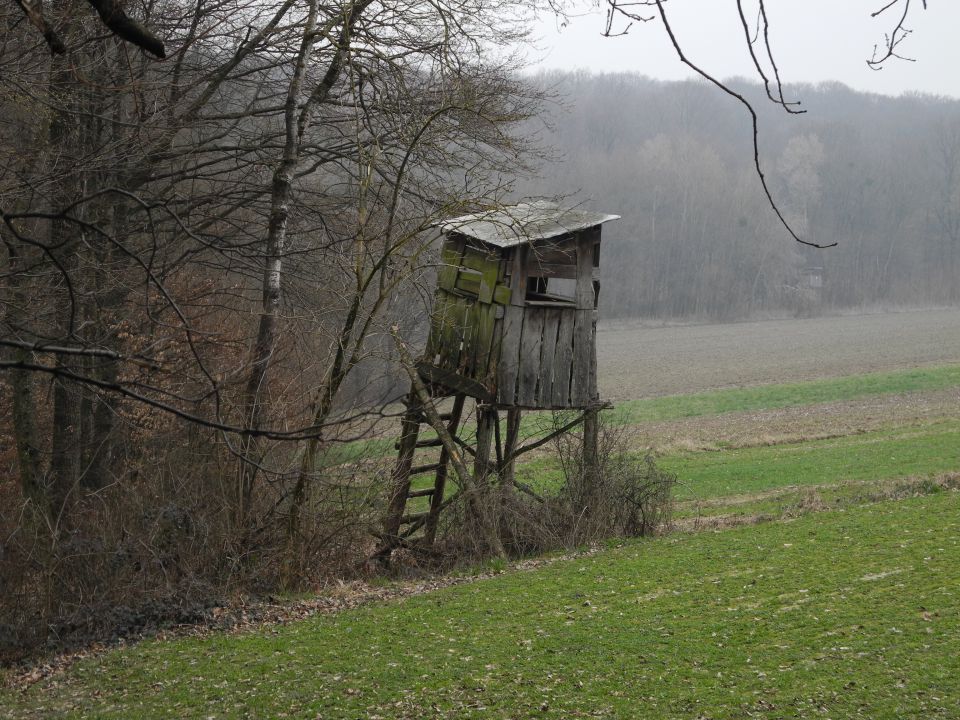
551,291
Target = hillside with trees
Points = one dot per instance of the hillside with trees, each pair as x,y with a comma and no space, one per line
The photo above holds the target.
878,176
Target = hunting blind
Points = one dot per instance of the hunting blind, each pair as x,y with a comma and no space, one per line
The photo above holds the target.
513,327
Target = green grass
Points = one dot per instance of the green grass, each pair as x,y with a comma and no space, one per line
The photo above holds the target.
875,456
838,614
675,407
792,500
878,455
771,397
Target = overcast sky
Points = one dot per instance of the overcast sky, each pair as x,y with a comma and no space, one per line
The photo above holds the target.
814,41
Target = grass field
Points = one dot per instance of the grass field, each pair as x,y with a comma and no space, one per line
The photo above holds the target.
837,614
844,607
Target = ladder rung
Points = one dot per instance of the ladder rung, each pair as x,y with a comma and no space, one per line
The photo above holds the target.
413,517
420,469
421,493
432,442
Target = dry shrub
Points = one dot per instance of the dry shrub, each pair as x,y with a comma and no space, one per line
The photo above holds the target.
158,547
628,497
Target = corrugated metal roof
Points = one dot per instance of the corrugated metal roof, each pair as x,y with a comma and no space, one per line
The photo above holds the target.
523,223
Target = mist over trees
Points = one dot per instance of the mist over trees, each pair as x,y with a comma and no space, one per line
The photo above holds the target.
879,176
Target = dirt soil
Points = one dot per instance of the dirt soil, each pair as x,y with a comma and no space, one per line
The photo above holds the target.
797,424
637,360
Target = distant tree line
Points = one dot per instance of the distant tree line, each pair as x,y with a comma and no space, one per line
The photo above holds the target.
879,176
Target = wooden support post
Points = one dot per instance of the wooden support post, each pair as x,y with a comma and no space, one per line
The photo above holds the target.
591,459
436,500
507,476
486,417
474,498
400,479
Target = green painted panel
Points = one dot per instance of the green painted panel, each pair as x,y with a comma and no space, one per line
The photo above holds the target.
450,262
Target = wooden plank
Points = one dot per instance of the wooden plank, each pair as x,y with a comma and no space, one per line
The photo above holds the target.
477,350
448,344
567,270
562,251
502,295
551,324
426,492
518,276
563,360
531,340
436,501
509,365
580,385
453,381
469,281
400,479
433,338
479,260
594,392
487,319
471,341
462,334
486,419
488,282
450,256
585,295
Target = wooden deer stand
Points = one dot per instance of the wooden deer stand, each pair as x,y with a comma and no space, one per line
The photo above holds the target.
513,328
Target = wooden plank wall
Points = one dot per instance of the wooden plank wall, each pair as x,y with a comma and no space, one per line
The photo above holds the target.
468,313
548,352
537,355
548,358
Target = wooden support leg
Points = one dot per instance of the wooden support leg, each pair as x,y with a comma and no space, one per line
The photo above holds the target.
400,479
510,446
591,460
436,500
486,417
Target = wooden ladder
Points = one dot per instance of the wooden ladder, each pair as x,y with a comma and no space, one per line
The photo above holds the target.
400,526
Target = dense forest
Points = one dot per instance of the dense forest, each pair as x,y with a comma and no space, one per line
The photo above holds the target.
878,176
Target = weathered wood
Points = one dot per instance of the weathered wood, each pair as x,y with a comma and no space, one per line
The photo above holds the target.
450,263
580,380
400,479
594,392
489,279
467,482
426,492
468,281
486,341
585,297
591,458
507,474
486,419
560,251
518,276
551,325
555,270
440,481
509,365
531,340
549,301
413,517
563,360
429,467
453,381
